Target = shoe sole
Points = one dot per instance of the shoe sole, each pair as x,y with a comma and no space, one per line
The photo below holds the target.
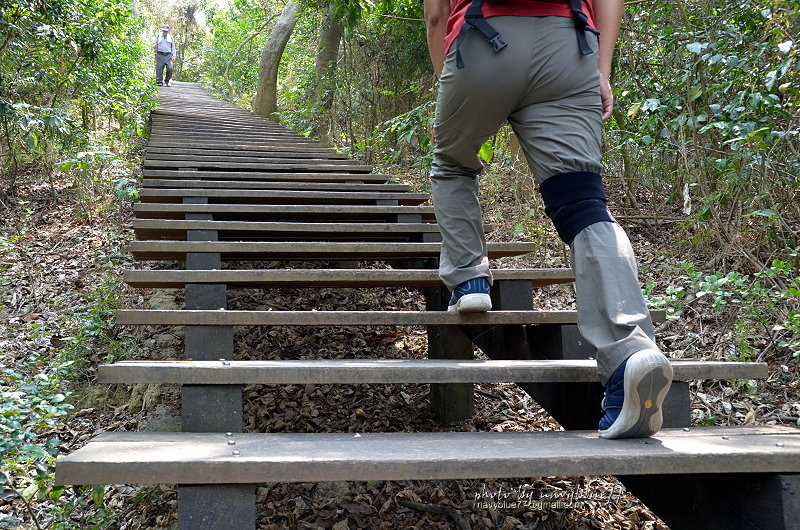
648,376
472,303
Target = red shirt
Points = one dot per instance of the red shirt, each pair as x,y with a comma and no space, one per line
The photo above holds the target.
519,8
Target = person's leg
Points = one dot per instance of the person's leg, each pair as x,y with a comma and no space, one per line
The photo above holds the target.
471,106
168,65
159,69
559,129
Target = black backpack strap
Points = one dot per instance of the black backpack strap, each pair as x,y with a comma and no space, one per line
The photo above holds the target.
474,19
582,26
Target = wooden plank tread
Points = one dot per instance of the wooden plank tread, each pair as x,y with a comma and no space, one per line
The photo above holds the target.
394,371
156,317
275,226
285,194
208,458
321,209
170,153
252,158
283,212
247,145
279,164
329,277
322,250
236,150
271,176
189,183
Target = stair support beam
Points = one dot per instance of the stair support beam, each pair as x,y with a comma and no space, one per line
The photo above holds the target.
211,408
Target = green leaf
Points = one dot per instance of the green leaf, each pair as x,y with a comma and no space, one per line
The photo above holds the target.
696,47
486,152
30,491
765,213
98,492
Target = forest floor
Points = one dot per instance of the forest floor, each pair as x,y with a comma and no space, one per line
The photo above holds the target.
60,280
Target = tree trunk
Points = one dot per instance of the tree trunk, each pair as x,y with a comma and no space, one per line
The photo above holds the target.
242,44
325,66
265,101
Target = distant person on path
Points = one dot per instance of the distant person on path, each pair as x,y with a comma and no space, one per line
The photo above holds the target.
540,66
164,46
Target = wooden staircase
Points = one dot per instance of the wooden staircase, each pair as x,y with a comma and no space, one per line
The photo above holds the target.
222,186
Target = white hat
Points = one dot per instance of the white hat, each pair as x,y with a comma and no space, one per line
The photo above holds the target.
165,27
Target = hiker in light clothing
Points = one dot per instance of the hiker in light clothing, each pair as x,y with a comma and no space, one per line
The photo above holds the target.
164,47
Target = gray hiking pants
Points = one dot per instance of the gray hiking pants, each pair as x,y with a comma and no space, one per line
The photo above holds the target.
163,61
549,93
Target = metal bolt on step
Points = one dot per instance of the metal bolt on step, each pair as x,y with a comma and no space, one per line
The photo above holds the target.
725,436
235,453
231,442
779,444
228,434
686,429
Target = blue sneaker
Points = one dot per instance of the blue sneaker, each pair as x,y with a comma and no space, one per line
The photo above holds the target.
471,296
634,396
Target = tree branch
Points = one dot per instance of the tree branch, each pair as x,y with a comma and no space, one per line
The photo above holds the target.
250,37
449,511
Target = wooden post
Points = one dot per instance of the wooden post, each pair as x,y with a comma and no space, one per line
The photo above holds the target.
211,408
721,501
573,405
509,341
452,402
456,402
215,507
577,405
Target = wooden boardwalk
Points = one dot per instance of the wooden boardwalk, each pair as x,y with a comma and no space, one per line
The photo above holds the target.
223,190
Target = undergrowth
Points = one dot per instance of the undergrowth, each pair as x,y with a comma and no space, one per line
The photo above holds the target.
56,334
757,306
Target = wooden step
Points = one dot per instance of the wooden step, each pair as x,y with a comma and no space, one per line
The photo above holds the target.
176,229
209,458
214,116
223,123
196,132
271,185
277,139
169,142
285,196
179,317
243,156
393,371
328,277
279,158
343,177
221,128
308,212
222,120
286,152
199,106
275,165
177,250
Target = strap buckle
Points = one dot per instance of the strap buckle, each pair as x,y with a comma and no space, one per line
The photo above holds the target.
497,43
